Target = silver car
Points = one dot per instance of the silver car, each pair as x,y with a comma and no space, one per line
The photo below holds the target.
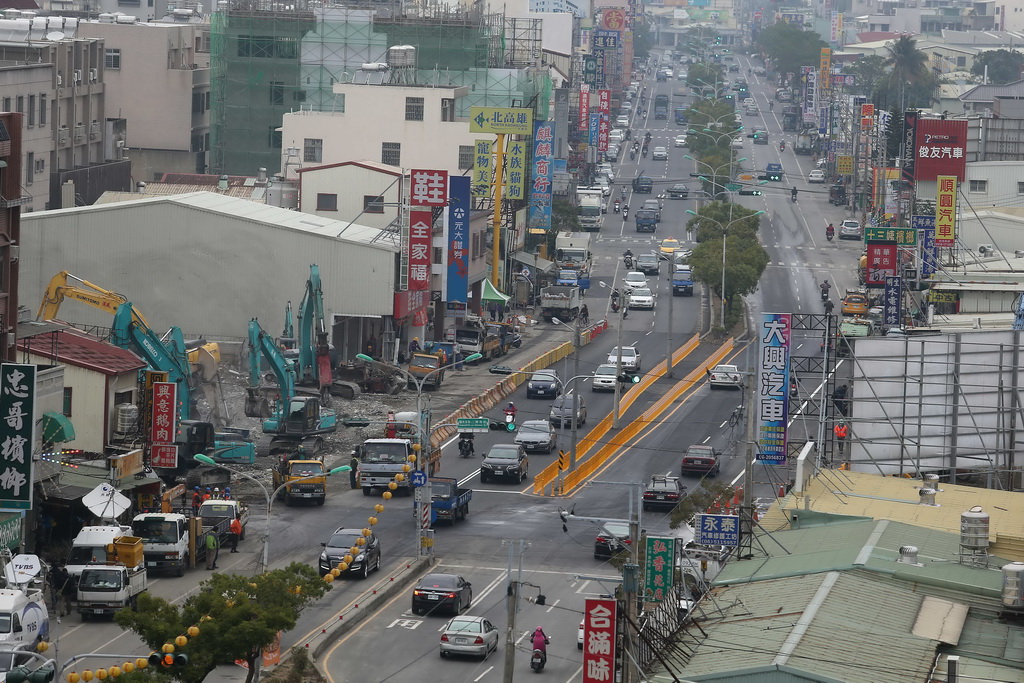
563,408
469,636
536,435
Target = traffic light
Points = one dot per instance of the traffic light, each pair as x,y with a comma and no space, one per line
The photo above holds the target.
628,379
168,659
750,193
774,176
510,426
21,674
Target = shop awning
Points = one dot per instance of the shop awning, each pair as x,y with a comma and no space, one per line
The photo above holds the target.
533,262
489,293
57,428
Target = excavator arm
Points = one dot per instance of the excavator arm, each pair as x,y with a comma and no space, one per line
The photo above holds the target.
65,285
314,348
261,345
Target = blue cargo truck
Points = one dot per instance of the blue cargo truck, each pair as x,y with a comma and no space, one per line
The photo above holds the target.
682,280
448,502
646,220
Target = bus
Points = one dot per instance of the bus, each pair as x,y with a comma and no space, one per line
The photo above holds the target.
661,106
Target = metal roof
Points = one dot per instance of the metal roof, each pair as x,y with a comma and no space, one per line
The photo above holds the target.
989,92
74,347
893,498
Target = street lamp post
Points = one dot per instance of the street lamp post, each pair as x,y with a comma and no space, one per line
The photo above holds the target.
725,232
575,371
421,428
206,460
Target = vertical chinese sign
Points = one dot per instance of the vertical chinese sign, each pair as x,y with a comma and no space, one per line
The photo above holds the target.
599,640
543,162
772,389
428,189
515,176
945,211
604,112
925,226
825,68
482,168
163,452
660,567
458,241
18,405
584,121
892,299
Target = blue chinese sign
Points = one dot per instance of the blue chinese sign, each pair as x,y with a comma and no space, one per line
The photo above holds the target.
605,39
540,181
458,239
717,530
891,301
17,434
925,225
595,127
823,120
772,389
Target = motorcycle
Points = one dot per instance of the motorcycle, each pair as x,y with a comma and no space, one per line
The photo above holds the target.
632,155
782,146
645,152
466,446
824,294
510,417
627,259
829,234
537,660
792,197
617,205
625,213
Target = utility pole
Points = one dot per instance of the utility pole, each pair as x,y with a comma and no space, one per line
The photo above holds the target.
671,300
623,302
630,583
512,602
574,402
747,513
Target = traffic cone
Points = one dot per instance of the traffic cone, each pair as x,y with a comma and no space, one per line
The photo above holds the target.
782,491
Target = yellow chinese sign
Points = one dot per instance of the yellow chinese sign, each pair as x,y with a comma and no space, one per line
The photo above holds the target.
481,181
942,297
515,169
945,211
825,68
844,164
501,120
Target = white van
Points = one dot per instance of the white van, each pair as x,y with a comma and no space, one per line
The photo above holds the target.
23,616
90,547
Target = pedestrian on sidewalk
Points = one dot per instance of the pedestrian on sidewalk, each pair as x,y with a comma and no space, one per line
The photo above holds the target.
236,532
212,549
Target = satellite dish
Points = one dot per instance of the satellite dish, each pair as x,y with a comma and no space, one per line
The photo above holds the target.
55,35
106,502
22,569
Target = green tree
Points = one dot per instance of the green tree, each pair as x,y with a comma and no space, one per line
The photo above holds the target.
237,617
745,259
790,47
704,74
909,67
871,74
1004,66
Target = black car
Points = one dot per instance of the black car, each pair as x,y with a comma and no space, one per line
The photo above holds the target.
678,191
543,384
341,542
505,461
436,593
663,492
648,264
565,408
613,539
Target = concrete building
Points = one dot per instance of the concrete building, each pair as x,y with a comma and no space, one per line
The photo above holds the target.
11,201
157,79
97,377
414,127
28,89
372,193
996,183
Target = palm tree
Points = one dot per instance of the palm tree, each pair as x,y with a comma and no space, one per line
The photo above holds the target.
909,65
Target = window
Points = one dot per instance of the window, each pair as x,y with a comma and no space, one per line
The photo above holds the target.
978,186
274,137
42,110
31,110
197,103
961,61
476,244
112,59
326,202
30,167
7,104
1020,187
437,255
447,109
465,157
313,150
277,92
413,108
66,405
20,106
373,203
391,153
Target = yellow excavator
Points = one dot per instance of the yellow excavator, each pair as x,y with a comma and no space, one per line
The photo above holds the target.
203,357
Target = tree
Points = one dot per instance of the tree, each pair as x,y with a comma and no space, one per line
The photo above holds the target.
237,617
871,73
908,64
713,217
745,259
790,47
703,75
1004,66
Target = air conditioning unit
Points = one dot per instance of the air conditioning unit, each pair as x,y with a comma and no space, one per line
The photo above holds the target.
60,80
986,249
94,75
78,75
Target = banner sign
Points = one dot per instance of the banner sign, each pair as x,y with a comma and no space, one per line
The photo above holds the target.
844,164
541,177
515,170
163,455
891,302
18,434
925,225
834,28
420,228
810,79
584,107
660,568
428,188
604,112
904,237
594,129
883,260
825,67
165,412
772,387
717,530
945,211
909,143
501,120
605,39
823,120
599,620
458,239
940,148
613,20
482,172
589,72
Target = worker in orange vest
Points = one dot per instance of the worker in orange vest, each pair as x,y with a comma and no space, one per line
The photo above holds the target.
841,431
236,532
197,500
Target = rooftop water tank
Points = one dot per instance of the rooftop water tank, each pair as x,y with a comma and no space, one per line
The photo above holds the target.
974,528
1013,585
283,193
127,415
402,57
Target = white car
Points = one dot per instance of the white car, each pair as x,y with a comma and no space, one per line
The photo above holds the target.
626,106
737,143
634,280
602,182
660,154
617,135
749,102
622,121
641,297
816,176
680,141
630,358
604,378
725,376
605,169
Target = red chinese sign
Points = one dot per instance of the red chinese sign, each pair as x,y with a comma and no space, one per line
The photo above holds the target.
420,228
941,149
604,118
883,262
410,303
428,188
945,211
584,122
165,412
614,19
164,455
599,618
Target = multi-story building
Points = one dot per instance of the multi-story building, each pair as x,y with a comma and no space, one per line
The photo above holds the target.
11,201
28,89
998,134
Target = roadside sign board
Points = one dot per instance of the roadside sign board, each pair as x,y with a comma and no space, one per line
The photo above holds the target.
661,553
717,530
478,425
501,120
418,478
904,237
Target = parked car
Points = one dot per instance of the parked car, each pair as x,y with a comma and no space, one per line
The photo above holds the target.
633,280
727,376
737,143
612,153
339,544
626,106
604,378
663,492
565,408
613,539
649,264
678,191
543,384
536,436
816,176
470,636
630,358
660,154
641,297
505,461
439,592
700,459
850,229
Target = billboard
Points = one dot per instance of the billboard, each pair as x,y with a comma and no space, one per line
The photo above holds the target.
825,67
18,404
883,260
909,142
660,567
584,120
540,178
891,300
599,617
717,530
165,412
604,112
458,240
929,252
772,388
940,149
945,211
428,188
501,120
482,168
515,170
420,227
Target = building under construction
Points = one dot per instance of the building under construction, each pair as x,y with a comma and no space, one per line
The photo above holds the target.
268,59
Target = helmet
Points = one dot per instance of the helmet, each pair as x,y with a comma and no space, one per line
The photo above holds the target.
197,488
216,490
415,338
511,404
227,489
207,488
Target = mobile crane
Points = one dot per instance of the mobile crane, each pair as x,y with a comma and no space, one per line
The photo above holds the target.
292,423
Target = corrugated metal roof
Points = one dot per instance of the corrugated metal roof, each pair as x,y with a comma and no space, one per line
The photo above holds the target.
74,347
989,92
165,189
893,498
363,163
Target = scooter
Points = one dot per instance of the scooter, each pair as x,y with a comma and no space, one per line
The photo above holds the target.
625,213
792,197
617,205
627,260
824,294
537,660
510,417
632,155
466,449
829,234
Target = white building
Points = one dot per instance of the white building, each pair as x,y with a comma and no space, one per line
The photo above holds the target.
371,196
28,88
991,184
